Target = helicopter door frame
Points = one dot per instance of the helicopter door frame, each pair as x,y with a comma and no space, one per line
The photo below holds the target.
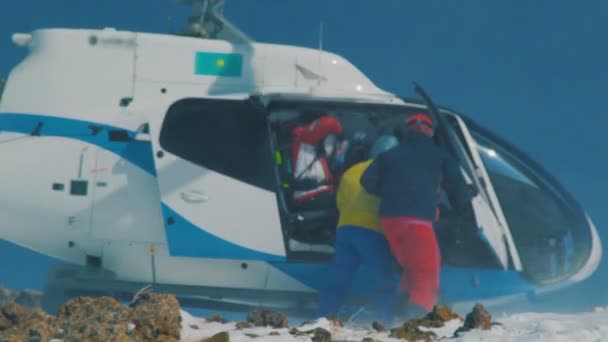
487,208
213,206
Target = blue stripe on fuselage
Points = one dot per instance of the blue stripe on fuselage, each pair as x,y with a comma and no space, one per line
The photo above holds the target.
184,238
137,152
188,240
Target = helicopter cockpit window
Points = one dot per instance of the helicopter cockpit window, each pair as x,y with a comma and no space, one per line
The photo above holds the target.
550,233
226,136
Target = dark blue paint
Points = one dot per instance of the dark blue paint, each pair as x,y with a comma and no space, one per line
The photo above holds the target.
23,268
458,283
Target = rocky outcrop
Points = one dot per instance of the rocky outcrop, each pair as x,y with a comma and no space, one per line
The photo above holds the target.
216,318
411,331
243,325
5,296
19,324
94,319
442,314
156,317
479,318
379,327
266,317
152,317
321,335
219,337
29,299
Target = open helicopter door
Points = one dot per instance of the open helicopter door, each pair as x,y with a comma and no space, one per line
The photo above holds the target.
490,220
487,209
215,171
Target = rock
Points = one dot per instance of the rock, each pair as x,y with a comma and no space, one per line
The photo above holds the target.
434,319
11,314
410,331
103,309
243,325
97,332
252,335
40,326
24,325
17,336
296,332
30,299
266,317
321,335
194,327
369,339
378,326
479,318
6,296
275,333
442,314
156,317
216,318
219,337
94,319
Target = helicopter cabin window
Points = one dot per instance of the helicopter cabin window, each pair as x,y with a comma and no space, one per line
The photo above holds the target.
226,136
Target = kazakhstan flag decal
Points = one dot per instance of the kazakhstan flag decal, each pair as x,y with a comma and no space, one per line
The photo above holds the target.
218,64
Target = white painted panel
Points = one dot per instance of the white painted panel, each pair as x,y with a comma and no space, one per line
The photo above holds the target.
69,76
126,204
232,210
33,214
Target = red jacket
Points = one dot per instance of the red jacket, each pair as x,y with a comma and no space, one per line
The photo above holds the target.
308,165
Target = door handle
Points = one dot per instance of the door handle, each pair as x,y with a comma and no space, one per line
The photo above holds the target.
194,196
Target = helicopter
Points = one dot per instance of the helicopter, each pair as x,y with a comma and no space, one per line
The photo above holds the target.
164,159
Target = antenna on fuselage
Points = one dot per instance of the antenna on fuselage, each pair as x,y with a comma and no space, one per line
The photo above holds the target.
169,18
321,36
320,49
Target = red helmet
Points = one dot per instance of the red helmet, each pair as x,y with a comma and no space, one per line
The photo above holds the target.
420,123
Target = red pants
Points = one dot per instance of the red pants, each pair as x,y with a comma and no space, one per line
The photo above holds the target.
414,245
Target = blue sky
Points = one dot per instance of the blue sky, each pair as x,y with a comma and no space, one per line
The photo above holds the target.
535,72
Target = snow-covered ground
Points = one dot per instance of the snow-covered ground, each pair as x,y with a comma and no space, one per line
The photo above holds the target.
583,327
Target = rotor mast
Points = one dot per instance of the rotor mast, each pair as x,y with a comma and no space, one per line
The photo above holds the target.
208,22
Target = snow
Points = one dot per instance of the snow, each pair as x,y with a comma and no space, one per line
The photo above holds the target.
587,326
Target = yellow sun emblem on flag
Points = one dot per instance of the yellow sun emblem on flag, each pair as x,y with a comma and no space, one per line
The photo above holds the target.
218,64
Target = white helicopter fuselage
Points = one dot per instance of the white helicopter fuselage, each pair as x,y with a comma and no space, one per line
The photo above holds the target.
76,78
85,178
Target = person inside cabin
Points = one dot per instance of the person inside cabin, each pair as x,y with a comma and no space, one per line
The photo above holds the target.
316,149
360,241
407,179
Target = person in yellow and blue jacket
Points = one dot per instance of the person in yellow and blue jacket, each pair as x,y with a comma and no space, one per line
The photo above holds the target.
360,241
